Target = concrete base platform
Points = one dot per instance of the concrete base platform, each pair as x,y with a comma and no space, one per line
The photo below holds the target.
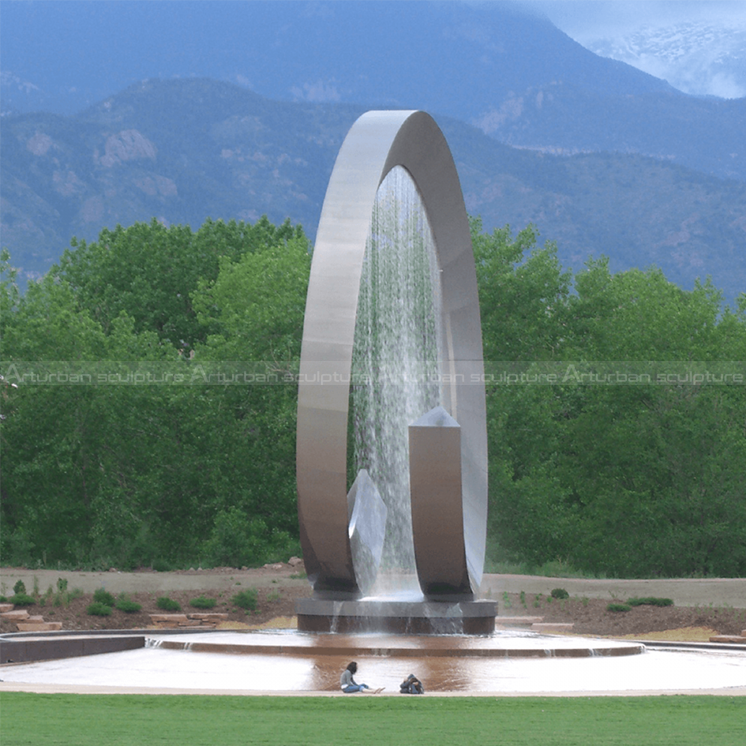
283,661
401,617
351,646
24,648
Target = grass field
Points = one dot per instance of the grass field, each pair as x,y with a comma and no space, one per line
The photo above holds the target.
137,720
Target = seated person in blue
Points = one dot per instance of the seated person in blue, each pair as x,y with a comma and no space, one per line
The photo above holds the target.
350,686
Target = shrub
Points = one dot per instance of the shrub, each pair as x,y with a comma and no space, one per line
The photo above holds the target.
560,593
618,607
650,601
21,599
168,604
102,596
127,605
19,588
3,600
246,599
99,609
48,596
203,602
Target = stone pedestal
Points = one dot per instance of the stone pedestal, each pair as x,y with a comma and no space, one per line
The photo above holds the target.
402,617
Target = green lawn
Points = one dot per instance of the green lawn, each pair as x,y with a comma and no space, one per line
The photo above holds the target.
149,720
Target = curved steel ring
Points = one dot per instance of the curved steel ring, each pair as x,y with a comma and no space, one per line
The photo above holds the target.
376,143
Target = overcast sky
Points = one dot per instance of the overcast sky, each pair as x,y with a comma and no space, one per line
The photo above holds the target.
593,19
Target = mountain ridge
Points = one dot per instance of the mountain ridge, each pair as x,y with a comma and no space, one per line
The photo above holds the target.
183,151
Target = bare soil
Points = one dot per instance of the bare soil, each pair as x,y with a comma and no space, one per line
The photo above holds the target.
279,586
593,617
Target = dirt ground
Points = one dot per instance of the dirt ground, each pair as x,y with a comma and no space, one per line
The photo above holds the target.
708,608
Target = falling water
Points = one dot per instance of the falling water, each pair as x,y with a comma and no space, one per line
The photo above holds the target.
395,356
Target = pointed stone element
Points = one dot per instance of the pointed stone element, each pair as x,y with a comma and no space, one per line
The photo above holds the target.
366,529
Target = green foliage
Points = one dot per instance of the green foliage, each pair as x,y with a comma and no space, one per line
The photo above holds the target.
237,541
203,602
650,601
99,609
604,479
102,596
47,597
127,604
618,608
133,475
63,598
19,588
559,593
168,604
149,272
615,479
22,599
246,599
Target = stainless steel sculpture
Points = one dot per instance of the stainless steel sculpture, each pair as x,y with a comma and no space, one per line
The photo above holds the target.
377,142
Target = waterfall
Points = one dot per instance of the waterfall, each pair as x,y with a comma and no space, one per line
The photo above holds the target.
395,360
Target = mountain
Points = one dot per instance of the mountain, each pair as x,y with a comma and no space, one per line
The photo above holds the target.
186,150
515,76
697,57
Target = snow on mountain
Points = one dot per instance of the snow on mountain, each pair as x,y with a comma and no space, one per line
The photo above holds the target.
13,85
700,58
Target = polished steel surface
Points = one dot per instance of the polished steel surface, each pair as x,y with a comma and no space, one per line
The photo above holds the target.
437,512
377,142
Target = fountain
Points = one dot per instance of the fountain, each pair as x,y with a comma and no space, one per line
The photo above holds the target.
403,550
392,323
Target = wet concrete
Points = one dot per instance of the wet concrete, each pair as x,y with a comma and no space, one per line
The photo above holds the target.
315,667
498,645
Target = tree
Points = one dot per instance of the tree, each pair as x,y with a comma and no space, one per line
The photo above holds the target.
613,474
150,271
101,474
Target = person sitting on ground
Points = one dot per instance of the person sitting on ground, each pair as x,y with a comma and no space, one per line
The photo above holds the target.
411,685
348,684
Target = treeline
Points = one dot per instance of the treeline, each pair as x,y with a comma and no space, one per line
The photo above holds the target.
602,470
149,411
98,474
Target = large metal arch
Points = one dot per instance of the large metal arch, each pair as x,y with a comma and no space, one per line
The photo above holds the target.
376,143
